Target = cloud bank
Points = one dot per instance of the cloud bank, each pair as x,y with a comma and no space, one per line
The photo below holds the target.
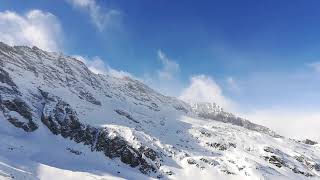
204,89
35,28
98,66
292,123
169,67
100,17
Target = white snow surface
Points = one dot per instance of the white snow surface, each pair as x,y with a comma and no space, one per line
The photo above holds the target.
191,147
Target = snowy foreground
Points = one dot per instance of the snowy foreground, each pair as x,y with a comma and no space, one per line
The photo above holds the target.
58,120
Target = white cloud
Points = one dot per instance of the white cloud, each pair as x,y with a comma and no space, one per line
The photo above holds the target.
35,28
315,66
232,84
204,89
166,79
169,69
292,123
98,66
100,17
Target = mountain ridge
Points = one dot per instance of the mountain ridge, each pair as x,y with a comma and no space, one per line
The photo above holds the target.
124,119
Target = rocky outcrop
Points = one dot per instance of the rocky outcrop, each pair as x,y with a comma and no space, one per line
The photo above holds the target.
213,111
221,146
275,161
281,159
88,97
19,106
5,78
62,120
125,114
13,107
310,142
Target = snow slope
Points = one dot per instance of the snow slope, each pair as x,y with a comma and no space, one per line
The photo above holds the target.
60,120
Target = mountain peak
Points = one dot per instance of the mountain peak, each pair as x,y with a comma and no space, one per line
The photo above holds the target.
52,103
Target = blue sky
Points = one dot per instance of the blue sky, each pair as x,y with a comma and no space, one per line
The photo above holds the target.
259,56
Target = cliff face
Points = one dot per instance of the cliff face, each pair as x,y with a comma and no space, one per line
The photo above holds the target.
48,95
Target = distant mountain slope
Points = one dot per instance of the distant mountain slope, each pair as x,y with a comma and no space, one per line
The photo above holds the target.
58,116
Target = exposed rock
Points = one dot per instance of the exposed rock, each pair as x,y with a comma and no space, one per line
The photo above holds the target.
74,151
310,142
191,161
169,173
211,162
19,106
89,97
269,149
149,153
228,172
280,162
221,146
215,112
275,161
310,163
297,171
316,167
59,117
125,114
205,133
232,145
5,78
181,108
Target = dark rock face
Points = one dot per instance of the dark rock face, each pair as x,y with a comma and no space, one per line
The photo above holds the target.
10,101
210,161
19,106
270,150
125,114
61,119
149,153
200,163
205,133
310,142
297,171
221,146
181,108
316,167
191,161
5,78
228,172
89,97
275,161
309,163
74,151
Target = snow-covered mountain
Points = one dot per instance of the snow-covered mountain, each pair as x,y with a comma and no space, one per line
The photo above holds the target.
58,120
